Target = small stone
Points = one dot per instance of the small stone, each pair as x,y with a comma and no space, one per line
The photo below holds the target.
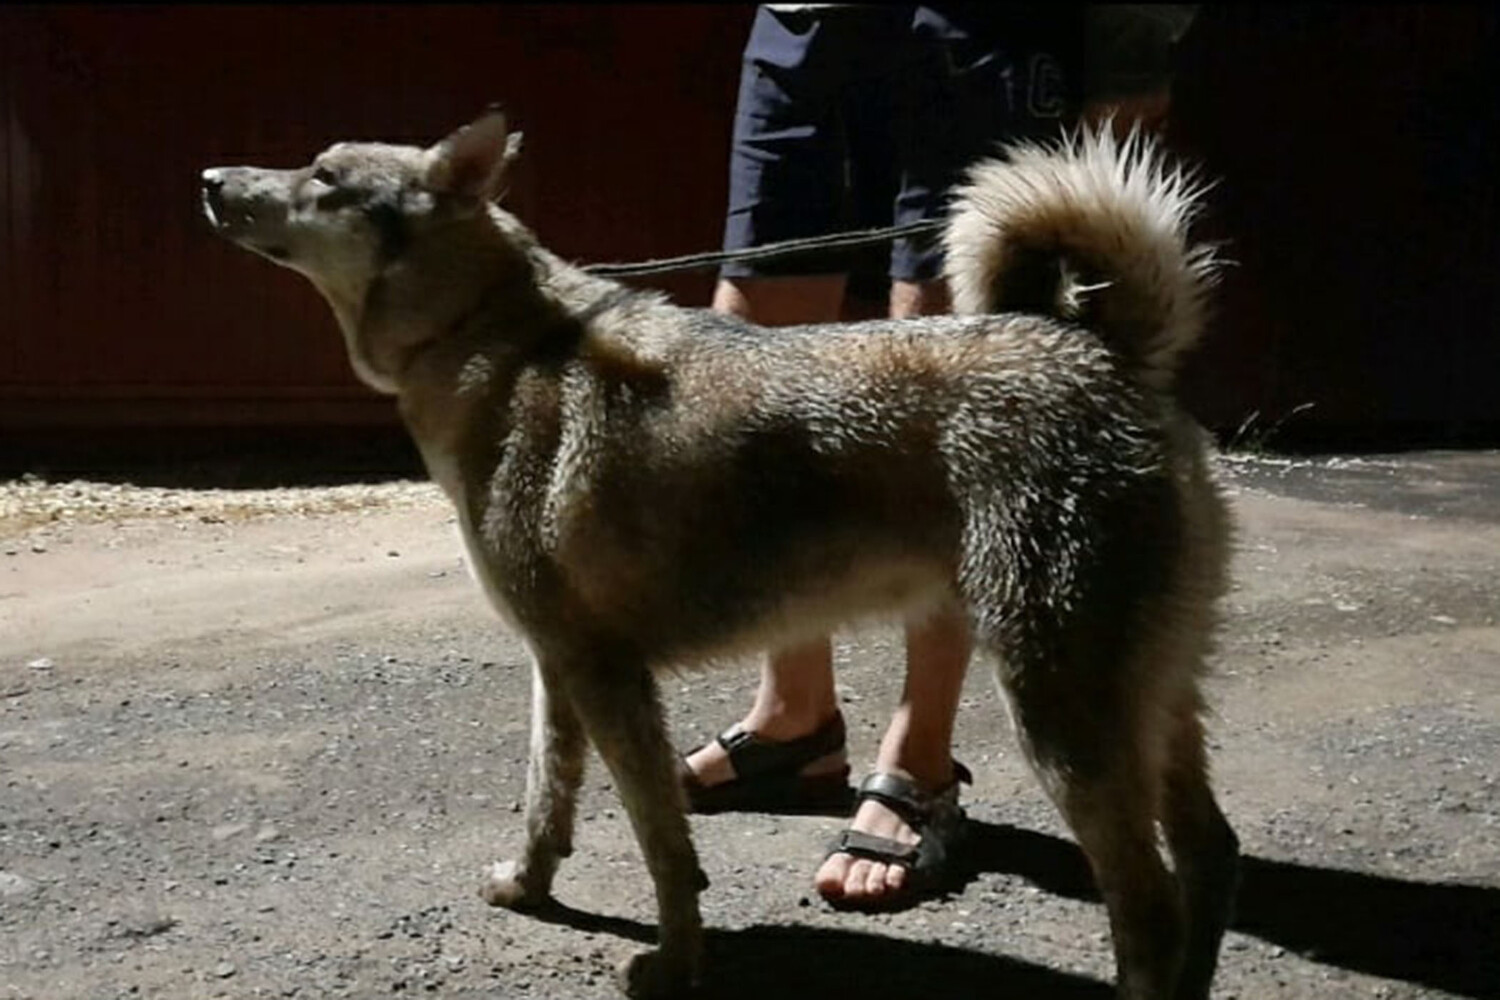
13,886
225,831
41,663
147,927
224,970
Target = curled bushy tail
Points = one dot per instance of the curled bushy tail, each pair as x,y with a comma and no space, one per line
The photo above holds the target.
1092,230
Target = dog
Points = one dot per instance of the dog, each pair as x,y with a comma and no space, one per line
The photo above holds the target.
641,486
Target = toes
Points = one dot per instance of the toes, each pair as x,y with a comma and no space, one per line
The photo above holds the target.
854,880
832,875
843,879
859,881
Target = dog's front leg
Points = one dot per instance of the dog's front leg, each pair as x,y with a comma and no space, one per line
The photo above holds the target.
618,701
553,775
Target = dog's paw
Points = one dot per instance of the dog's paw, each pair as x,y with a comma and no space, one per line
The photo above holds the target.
650,975
505,885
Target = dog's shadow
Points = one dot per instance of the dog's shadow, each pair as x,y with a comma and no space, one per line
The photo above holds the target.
1438,936
1441,936
770,960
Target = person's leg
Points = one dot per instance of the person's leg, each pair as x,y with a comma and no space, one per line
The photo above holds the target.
918,742
781,301
786,181
917,746
796,695
934,122
918,298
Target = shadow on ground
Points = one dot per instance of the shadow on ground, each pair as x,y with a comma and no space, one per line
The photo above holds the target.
1433,935
760,961
1439,936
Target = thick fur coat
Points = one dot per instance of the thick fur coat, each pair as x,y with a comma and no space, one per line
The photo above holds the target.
642,486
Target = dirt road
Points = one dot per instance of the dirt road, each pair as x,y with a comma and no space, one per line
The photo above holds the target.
262,744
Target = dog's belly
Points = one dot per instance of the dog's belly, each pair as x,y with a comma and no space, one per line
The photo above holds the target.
876,589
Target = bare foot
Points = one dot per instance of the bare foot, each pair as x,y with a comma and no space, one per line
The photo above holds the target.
851,881
859,883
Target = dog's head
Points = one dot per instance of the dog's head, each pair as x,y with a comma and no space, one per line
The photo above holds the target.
353,217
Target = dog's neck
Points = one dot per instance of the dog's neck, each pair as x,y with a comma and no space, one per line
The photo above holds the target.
458,365
504,296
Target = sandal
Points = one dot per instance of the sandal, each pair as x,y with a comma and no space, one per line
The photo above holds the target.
935,817
768,775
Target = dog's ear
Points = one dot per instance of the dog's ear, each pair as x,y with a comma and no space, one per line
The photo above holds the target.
475,159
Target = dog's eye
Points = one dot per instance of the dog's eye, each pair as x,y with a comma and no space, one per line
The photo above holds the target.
326,192
335,198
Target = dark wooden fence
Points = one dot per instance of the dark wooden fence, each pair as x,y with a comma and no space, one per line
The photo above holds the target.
1356,147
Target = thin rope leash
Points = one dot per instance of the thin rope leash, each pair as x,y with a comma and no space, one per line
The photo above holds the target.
771,251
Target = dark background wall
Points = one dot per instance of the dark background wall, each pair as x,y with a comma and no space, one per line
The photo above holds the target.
1355,147
1357,151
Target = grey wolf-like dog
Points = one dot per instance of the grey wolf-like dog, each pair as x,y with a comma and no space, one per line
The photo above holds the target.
642,486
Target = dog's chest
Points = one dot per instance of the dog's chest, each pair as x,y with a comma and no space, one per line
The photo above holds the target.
489,576
480,556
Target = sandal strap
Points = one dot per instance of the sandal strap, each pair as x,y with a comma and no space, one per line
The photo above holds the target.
911,803
873,848
936,818
751,756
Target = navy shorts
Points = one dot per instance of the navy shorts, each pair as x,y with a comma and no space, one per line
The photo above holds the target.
852,117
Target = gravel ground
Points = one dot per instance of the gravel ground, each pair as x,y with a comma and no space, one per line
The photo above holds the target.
30,503
261,743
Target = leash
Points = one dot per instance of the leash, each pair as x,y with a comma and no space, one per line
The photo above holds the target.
771,251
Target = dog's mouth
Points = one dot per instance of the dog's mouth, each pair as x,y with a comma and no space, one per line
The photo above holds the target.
212,197
236,226
213,207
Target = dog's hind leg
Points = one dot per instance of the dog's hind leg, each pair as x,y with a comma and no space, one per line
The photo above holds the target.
617,699
553,775
1089,750
1204,849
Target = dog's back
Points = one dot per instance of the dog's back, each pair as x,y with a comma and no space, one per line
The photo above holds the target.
723,487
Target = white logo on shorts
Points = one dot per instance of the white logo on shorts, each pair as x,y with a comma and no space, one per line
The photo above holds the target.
1046,92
